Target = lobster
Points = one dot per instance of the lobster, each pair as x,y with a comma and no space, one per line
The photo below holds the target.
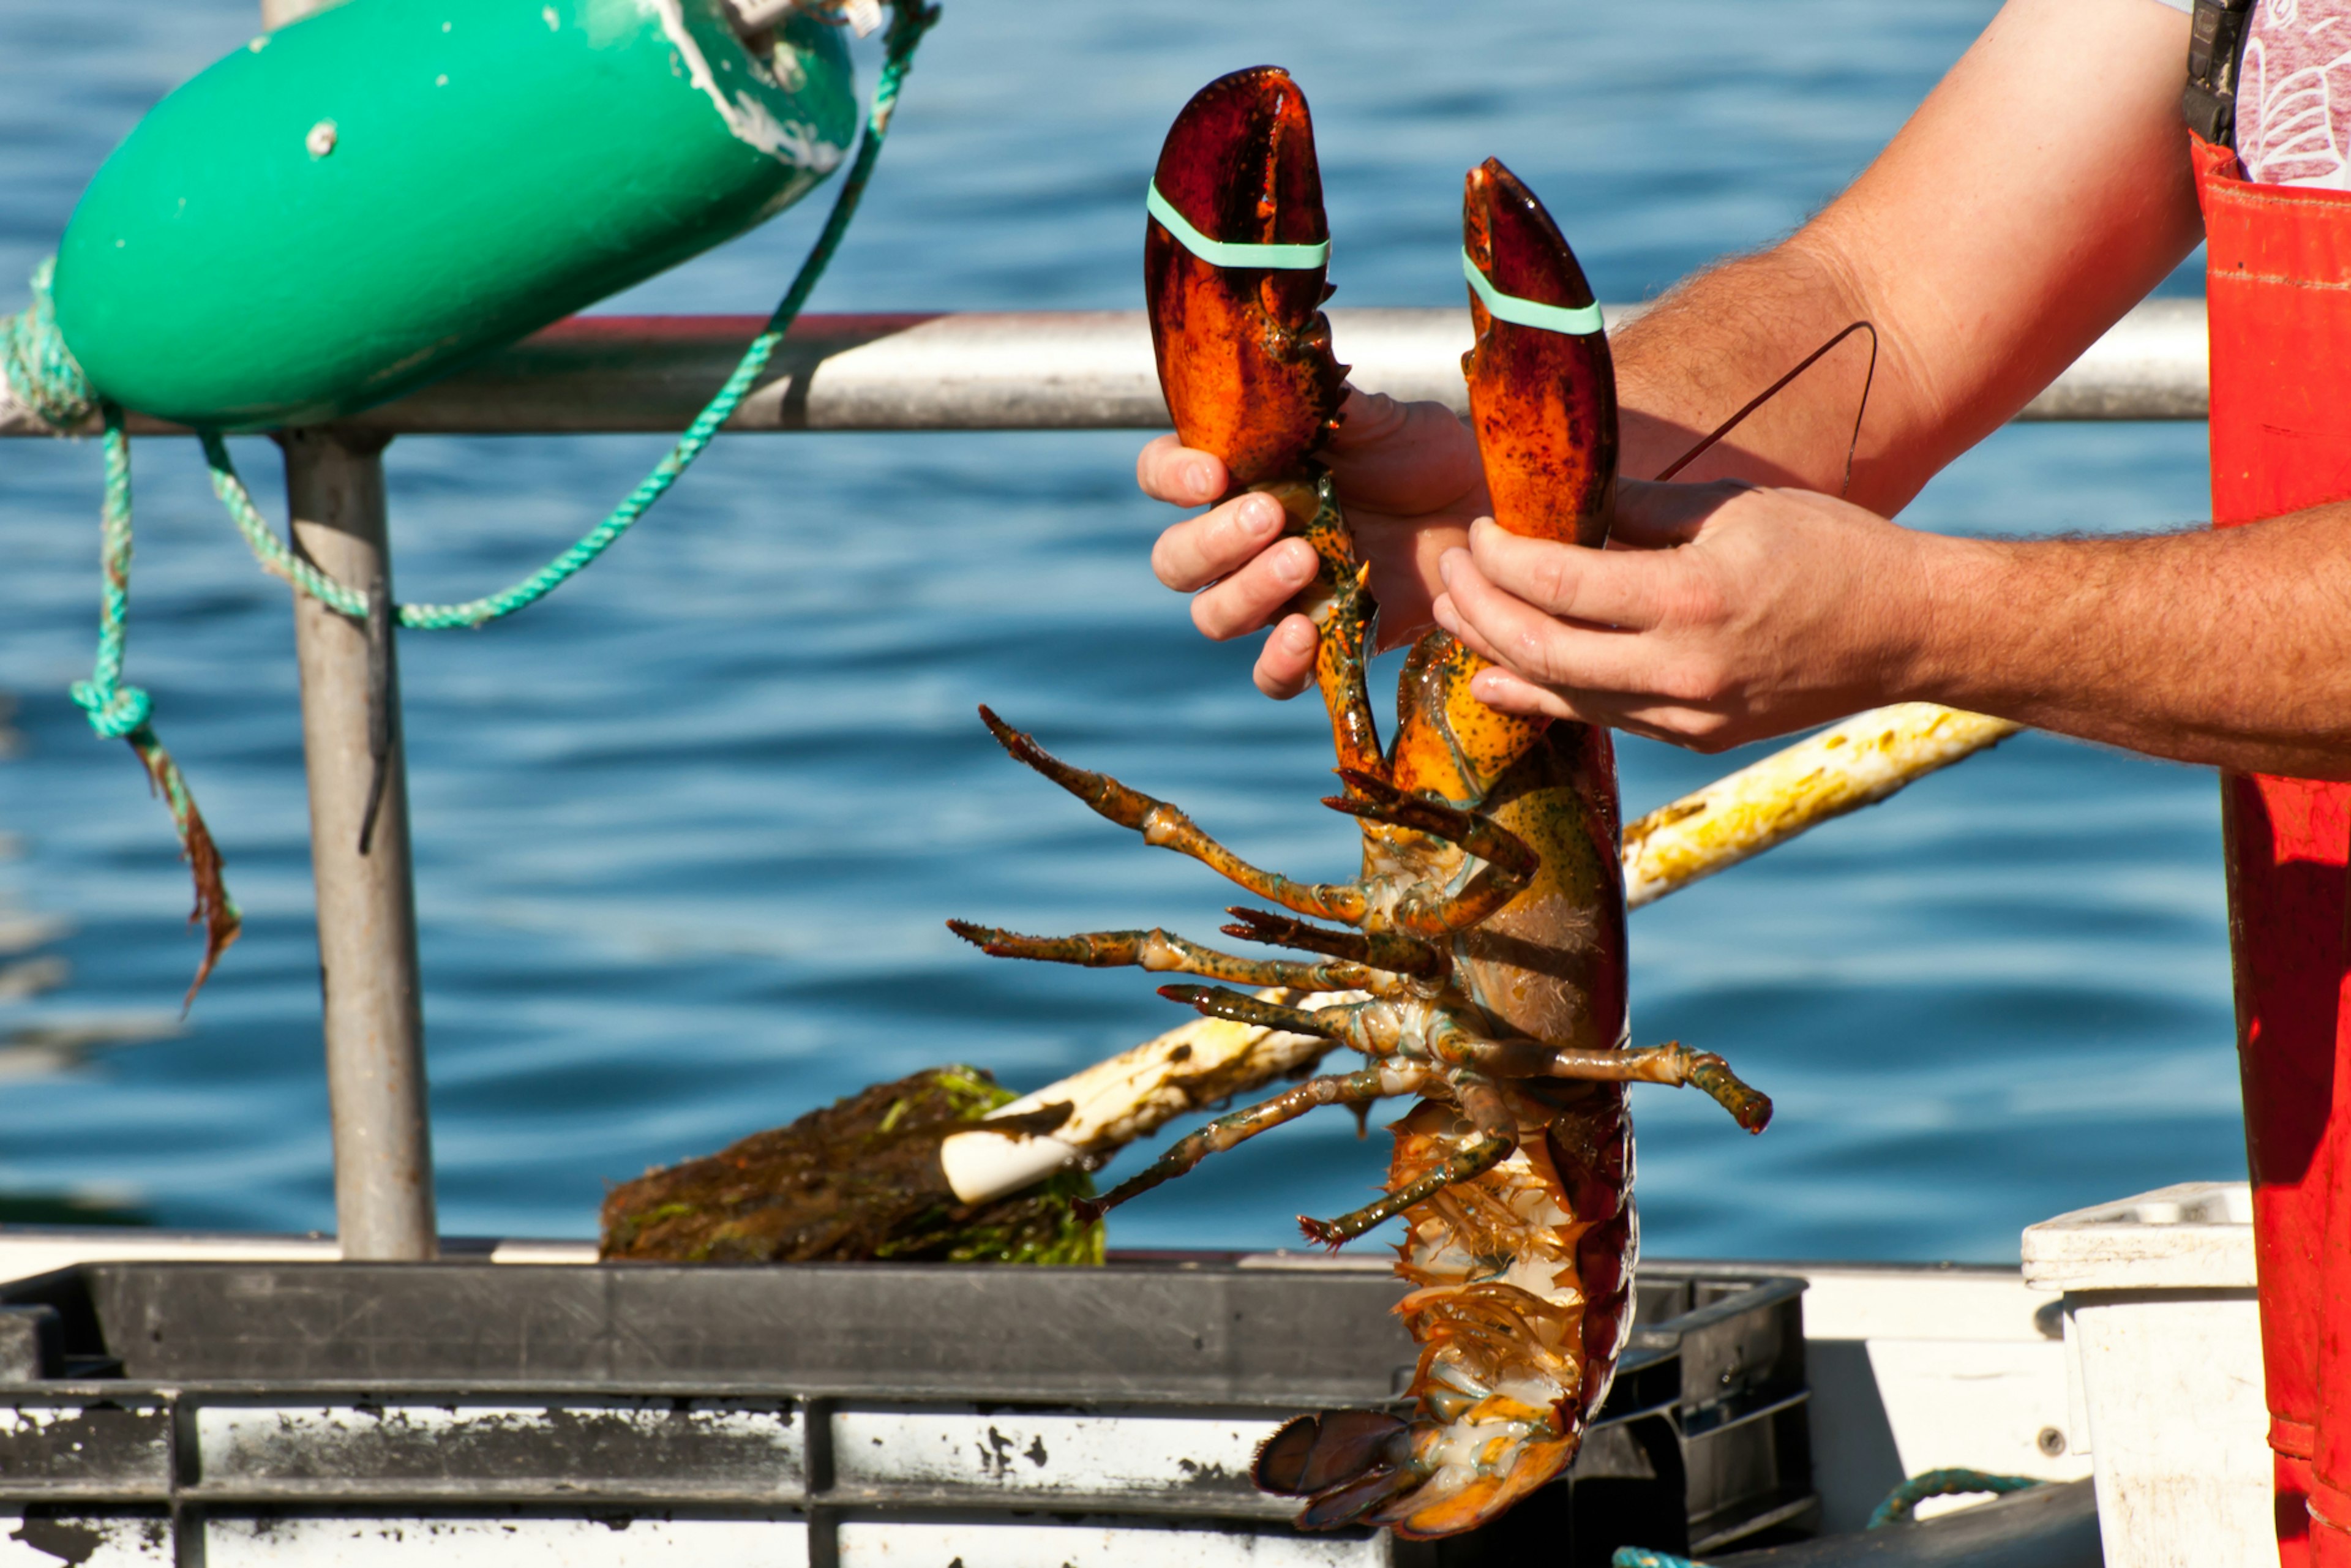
1486,932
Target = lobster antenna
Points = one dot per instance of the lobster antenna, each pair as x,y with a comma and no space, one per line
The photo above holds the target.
1768,393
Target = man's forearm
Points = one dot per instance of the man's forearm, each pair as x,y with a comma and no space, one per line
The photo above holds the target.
2037,195
2219,646
1718,340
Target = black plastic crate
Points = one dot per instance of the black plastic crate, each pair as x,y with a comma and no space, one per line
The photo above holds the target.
233,1413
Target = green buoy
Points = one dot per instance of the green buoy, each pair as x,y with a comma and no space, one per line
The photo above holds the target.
360,202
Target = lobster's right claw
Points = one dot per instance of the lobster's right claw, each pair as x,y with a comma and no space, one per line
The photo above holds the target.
1542,389
1244,350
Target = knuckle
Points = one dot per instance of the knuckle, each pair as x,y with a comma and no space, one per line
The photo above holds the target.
1551,580
1211,616
1708,734
1693,681
1164,562
1149,466
1697,601
1540,656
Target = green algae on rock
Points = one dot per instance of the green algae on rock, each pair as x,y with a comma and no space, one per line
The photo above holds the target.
855,1180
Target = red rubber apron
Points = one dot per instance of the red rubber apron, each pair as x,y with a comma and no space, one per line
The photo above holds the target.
2278,287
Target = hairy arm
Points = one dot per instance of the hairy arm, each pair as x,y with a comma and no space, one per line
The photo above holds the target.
2036,195
1750,611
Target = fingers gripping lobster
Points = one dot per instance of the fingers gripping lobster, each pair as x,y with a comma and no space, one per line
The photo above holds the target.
1486,929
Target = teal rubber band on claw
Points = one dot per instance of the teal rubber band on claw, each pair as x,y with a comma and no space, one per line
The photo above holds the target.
1220,253
1577,320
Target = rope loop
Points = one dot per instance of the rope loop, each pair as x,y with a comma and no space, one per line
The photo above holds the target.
36,368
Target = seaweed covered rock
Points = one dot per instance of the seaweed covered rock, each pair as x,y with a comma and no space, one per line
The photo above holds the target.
859,1179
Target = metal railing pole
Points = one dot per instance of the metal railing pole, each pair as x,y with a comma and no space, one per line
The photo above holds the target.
367,902
1040,370
374,1016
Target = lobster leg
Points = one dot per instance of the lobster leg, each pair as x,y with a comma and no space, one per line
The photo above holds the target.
1390,950
1497,1136
1362,1088
1162,951
1342,609
1475,1157
1168,828
1376,800
1672,1062
1510,862
1330,1023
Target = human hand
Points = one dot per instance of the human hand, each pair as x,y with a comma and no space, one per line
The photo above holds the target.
1410,480
1720,613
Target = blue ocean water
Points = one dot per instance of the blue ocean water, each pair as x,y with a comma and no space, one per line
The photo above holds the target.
686,832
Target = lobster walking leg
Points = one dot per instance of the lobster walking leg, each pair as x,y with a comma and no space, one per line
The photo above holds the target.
1330,1023
1431,911
1671,1064
1343,610
1390,950
1496,1135
1675,1064
1362,1088
1476,1158
1167,828
1163,952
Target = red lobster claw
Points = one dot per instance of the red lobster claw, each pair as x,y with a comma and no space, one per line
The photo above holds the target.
1542,393
1244,351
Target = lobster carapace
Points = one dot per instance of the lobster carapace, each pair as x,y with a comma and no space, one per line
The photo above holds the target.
1486,929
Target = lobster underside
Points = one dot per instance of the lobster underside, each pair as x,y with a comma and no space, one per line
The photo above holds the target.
1485,935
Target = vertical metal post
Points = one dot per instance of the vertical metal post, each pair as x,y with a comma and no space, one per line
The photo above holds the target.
367,902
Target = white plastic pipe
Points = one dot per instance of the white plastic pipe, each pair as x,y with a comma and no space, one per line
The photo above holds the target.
1132,1095
1843,768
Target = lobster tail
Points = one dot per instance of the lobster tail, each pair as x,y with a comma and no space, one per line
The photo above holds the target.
1314,1454
1234,263
1592,1153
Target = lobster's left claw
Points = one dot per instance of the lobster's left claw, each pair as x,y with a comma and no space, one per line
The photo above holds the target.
1244,350
1542,389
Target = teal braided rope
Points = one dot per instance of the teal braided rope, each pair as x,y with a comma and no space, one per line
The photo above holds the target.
40,369
115,710
910,20
40,373
119,712
266,546
1951,1482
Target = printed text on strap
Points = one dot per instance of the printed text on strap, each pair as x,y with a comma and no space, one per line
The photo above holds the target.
1578,319
1217,253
